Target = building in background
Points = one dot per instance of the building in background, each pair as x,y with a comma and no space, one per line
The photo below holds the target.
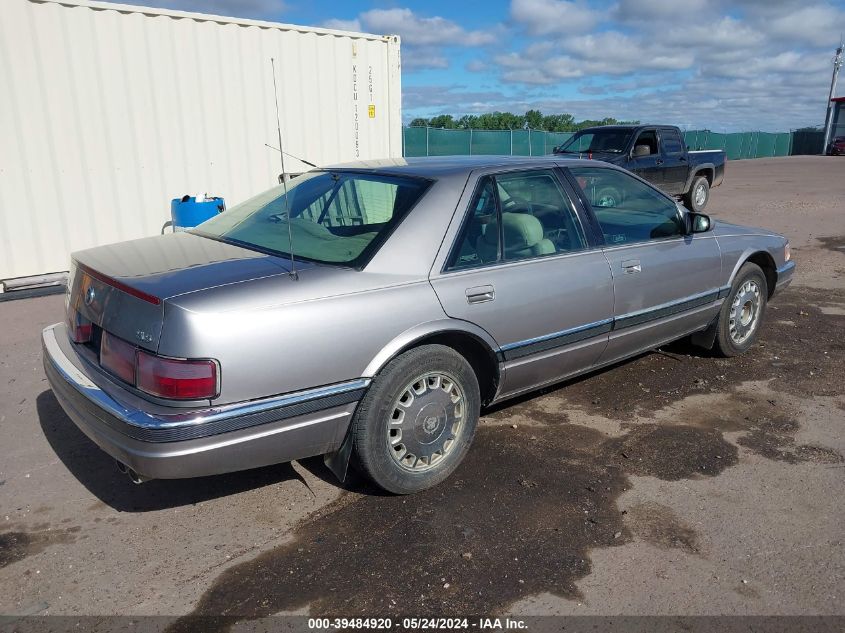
109,111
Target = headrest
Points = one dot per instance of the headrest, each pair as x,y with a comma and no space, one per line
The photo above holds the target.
521,231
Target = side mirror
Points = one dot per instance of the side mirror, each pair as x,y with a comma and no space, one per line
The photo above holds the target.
699,222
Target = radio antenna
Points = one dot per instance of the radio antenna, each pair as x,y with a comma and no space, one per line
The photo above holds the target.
293,274
301,160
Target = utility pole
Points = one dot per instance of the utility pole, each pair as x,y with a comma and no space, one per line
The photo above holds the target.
828,125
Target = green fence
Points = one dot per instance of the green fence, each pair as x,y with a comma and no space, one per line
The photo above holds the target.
740,145
424,141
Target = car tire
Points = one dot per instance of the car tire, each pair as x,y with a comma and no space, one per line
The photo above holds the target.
608,197
698,195
417,420
742,312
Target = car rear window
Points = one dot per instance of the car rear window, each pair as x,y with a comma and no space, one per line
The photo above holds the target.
336,217
672,143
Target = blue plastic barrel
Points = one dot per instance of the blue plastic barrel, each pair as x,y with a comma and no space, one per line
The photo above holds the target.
186,212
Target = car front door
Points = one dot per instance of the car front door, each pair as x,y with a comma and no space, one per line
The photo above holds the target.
675,164
646,160
666,281
524,267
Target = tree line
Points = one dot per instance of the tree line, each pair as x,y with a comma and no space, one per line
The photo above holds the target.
535,119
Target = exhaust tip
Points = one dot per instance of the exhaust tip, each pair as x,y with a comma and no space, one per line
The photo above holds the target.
134,477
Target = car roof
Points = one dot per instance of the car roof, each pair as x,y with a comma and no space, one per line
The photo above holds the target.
439,166
632,126
614,127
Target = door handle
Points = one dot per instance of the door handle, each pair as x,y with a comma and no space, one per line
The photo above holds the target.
631,266
480,294
659,161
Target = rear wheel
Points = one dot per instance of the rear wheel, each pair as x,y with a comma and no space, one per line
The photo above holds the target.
698,195
608,197
417,420
742,312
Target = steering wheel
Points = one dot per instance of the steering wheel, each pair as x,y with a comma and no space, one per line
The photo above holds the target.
514,202
559,237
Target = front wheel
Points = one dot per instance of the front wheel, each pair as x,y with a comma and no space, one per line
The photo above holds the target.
698,195
415,424
742,312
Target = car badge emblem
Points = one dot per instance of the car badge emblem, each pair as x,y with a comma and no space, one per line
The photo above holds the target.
144,337
90,295
430,424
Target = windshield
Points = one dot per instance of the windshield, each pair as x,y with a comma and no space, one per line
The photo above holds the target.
598,140
336,217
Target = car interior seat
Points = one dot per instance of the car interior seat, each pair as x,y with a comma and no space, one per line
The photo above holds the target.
524,237
648,140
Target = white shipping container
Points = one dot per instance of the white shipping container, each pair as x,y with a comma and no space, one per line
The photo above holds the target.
107,112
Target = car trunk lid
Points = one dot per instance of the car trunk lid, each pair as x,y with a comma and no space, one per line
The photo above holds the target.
123,288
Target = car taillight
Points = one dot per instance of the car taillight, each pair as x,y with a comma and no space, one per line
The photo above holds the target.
169,378
79,329
118,357
176,379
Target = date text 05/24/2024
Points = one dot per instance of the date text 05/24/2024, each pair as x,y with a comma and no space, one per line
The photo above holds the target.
422,624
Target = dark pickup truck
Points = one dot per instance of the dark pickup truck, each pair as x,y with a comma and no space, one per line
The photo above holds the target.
656,153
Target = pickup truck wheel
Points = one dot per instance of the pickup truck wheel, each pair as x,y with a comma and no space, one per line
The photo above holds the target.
698,194
742,312
415,424
608,197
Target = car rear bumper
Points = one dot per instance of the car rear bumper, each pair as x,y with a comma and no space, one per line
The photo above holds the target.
785,274
158,443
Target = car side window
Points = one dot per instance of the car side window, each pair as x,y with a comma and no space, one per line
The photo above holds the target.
478,242
627,209
672,143
646,144
537,216
528,209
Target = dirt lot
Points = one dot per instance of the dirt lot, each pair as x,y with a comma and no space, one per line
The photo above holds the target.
675,483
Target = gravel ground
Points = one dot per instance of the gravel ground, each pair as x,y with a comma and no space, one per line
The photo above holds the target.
673,484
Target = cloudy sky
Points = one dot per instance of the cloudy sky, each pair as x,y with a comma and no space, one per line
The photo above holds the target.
722,64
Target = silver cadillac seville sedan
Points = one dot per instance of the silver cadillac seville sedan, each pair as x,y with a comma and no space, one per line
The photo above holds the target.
373,309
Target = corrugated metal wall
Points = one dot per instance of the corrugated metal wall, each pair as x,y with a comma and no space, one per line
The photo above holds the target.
109,111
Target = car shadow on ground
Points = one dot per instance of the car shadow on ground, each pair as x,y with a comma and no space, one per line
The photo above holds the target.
98,472
355,481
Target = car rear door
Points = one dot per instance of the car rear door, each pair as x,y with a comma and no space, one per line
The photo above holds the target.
522,264
675,164
666,282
